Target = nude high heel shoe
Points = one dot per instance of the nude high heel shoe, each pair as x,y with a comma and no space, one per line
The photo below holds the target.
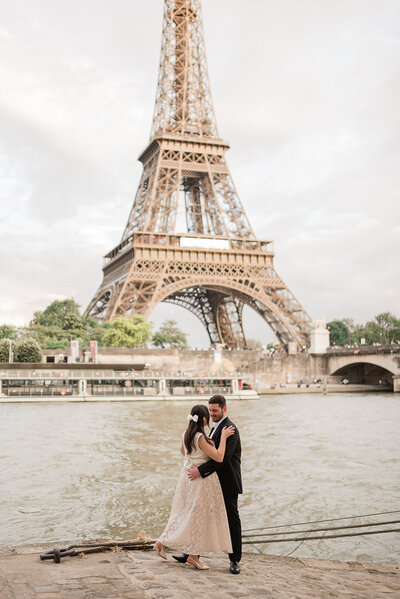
159,548
196,564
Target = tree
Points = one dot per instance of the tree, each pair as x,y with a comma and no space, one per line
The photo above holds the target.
7,332
4,350
385,328
57,325
338,332
27,350
389,325
50,337
63,314
127,332
60,322
351,327
94,331
170,336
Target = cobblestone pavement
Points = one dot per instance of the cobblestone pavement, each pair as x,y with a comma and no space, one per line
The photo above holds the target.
143,575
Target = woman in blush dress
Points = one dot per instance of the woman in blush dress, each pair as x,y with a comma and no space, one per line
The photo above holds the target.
198,523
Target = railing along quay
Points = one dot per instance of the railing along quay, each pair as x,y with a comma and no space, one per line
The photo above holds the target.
392,348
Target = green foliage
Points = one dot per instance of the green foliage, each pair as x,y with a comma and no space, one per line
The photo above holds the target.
384,329
127,332
389,326
63,314
60,322
7,332
4,350
338,332
170,336
57,324
94,331
27,350
54,328
51,337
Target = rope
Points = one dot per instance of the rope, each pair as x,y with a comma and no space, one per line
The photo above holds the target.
320,521
347,534
72,550
249,542
295,549
294,532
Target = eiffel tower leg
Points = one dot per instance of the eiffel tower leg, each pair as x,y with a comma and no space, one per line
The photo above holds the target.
229,322
129,295
98,305
220,314
198,302
104,301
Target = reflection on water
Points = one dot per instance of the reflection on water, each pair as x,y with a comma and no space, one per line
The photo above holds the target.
109,469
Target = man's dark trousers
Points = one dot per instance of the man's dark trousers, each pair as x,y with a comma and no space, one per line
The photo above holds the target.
235,528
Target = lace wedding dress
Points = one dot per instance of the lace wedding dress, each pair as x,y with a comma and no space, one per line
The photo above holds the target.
197,523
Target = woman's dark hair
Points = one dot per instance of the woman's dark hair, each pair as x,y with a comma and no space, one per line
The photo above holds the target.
196,427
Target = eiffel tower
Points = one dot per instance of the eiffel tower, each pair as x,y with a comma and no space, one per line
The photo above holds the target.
218,265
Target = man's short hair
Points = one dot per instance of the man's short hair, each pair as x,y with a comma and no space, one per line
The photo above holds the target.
219,399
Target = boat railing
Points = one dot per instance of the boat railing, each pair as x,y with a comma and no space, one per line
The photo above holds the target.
112,374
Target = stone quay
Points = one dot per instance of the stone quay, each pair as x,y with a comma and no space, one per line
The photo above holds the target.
143,575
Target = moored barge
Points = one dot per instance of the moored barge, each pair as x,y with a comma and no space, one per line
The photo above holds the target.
90,382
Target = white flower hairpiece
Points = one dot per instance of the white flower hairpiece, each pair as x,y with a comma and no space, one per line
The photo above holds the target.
194,418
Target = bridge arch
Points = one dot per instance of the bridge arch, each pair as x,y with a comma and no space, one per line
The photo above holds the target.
363,372
387,361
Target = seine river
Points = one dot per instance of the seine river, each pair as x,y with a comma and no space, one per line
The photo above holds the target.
90,470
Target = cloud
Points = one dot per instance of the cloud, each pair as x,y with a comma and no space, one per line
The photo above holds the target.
306,93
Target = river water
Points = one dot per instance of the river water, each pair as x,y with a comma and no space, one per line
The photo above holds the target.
90,470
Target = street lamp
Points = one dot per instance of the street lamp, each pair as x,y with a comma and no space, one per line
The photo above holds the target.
10,355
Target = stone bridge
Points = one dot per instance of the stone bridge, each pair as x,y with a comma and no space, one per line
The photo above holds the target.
366,364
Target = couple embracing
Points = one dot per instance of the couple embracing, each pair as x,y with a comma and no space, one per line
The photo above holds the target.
204,515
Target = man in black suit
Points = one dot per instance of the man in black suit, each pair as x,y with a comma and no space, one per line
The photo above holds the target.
229,475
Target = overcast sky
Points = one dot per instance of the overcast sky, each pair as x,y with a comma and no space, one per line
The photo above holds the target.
306,92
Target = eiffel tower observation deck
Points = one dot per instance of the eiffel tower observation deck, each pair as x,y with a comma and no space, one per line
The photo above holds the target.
216,265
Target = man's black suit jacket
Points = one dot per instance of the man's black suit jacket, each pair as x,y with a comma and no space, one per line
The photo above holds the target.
228,471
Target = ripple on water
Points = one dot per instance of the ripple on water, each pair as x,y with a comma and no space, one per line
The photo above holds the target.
94,470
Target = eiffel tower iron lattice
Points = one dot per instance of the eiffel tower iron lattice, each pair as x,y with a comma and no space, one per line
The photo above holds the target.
217,266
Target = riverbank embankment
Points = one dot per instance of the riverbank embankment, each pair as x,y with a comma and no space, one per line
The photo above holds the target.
143,575
284,389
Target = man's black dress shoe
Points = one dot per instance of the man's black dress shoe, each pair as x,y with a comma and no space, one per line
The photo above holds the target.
181,558
235,568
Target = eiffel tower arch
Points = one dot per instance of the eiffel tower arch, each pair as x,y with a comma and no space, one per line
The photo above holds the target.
217,266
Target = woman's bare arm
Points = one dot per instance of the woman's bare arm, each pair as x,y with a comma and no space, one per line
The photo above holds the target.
217,454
